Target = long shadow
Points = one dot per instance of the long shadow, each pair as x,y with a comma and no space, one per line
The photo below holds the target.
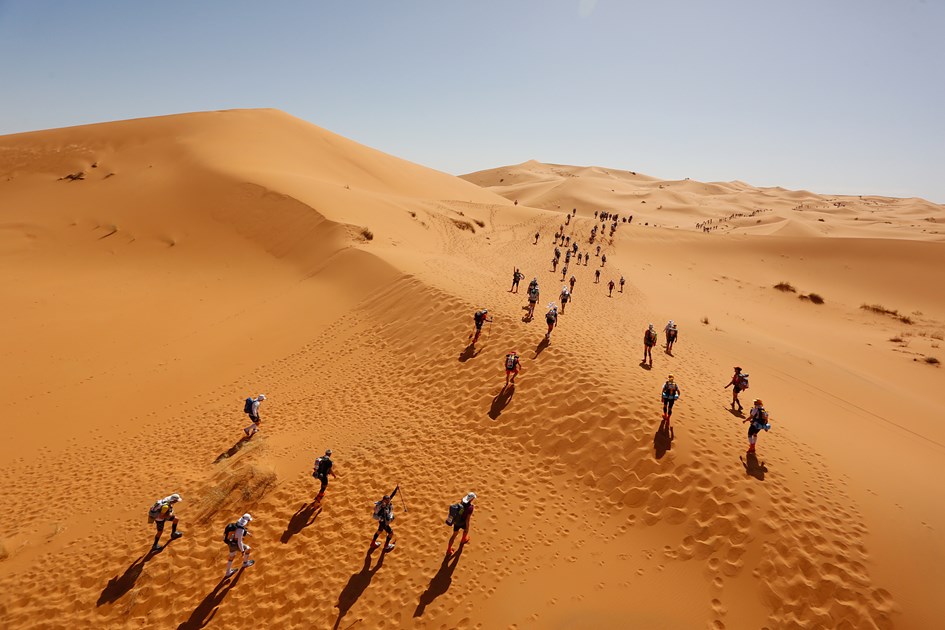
119,585
753,467
668,351
302,518
645,365
737,413
469,353
207,609
233,450
544,343
663,439
501,401
440,583
356,586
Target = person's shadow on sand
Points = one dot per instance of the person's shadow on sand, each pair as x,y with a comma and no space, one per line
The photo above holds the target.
544,343
738,413
440,583
233,450
663,439
207,609
303,517
501,401
121,584
645,365
356,586
753,467
468,353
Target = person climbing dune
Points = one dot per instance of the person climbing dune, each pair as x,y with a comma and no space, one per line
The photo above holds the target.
739,383
649,341
669,396
551,318
480,317
513,364
758,418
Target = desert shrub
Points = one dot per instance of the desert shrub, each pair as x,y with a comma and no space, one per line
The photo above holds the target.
464,225
812,297
938,335
705,320
932,360
905,319
786,287
896,339
367,234
481,224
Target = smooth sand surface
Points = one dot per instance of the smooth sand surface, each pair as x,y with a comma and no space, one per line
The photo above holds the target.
194,260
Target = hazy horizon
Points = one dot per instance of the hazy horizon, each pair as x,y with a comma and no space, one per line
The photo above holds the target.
845,98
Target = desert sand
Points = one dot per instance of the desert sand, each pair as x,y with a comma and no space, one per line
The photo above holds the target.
156,272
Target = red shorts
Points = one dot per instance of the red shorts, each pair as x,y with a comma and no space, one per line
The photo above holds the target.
508,372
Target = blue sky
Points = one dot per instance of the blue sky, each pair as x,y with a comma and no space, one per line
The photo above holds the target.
835,96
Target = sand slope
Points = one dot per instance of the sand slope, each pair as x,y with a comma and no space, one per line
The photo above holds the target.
227,256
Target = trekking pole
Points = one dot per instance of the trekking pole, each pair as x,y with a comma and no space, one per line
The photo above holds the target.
402,498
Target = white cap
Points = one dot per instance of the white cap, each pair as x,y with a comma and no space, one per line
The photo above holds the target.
469,497
174,498
244,519
262,397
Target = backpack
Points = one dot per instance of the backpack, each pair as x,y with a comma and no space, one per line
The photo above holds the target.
511,361
533,292
381,512
248,406
479,316
456,513
649,337
761,418
322,467
155,510
228,530
551,317
670,390
742,381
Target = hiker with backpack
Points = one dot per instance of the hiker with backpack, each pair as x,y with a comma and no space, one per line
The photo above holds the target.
321,470
621,283
517,276
565,296
603,260
460,517
739,383
251,407
649,340
571,282
161,512
597,276
512,366
610,287
587,257
537,234
533,295
233,535
564,272
669,395
551,318
480,317
672,331
384,514
759,420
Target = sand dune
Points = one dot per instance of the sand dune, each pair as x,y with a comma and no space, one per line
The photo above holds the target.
207,257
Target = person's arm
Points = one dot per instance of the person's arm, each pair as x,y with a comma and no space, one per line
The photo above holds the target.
256,408
239,538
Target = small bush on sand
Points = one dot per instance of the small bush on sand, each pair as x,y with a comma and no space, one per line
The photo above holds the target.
705,320
812,297
786,287
905,319
896,339
932,360
464,225
481,224
367,234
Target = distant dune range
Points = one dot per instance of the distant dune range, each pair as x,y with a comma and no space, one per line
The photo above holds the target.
158,271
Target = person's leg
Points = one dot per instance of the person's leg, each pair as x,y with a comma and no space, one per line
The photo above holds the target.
229,562
247,562
157,537
669,407
174,533
388,545
449,545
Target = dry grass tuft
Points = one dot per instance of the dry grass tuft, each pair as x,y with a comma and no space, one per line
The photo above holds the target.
812,297
367,234
787,287
705,320
480,223
464,225
932,361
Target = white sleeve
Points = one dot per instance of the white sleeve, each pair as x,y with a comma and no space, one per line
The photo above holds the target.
238,537
255,407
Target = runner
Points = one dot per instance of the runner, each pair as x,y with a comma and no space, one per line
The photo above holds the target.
461,520
517,276
621,283
603,260
597,276
598,251
233,537
587,257
161,512
564,272
571,282
649,340
536,238
533,295
554,265
610,287
565,296
480,317
551,318
323,468
384,514
671,333
670,395
759,420
251,407
512,366
738,384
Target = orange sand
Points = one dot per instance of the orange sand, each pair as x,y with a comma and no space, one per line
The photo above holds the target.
206,257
